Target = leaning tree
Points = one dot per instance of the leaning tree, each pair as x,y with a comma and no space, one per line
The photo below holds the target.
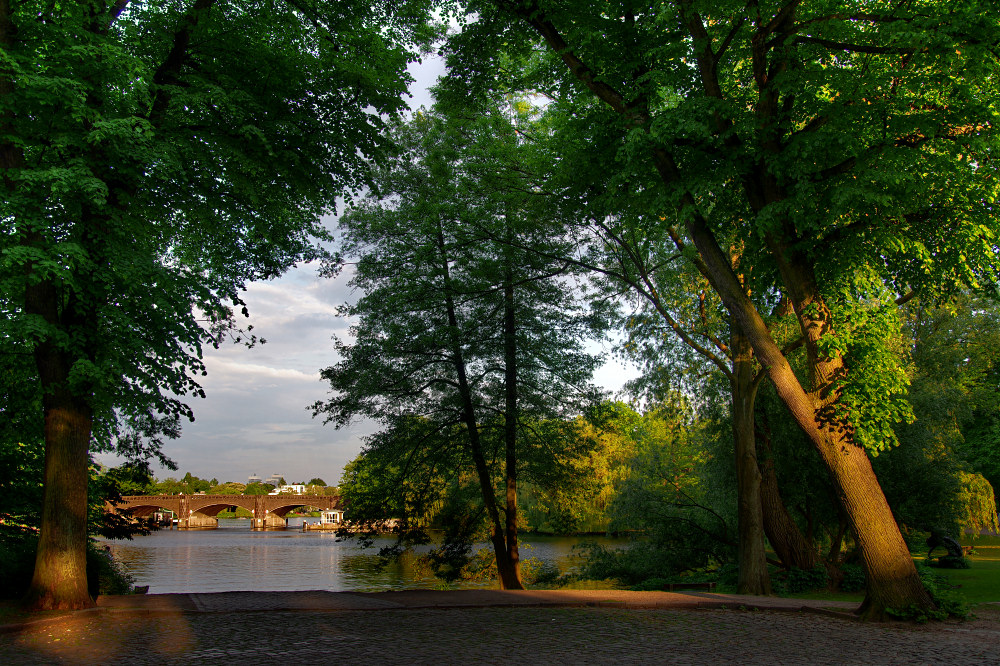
858,136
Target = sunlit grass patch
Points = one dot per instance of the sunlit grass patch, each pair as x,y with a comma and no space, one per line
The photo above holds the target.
981,581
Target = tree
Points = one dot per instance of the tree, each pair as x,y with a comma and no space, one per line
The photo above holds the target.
258,489
154,159
316,481
865,172
460,340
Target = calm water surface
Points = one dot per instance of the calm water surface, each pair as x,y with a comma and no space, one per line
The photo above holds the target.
235,558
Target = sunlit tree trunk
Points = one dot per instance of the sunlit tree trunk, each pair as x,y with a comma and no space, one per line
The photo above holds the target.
60,577
892,579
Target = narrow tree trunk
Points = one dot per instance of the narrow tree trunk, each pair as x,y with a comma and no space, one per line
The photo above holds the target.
507,572
753,576
783,533
511,579
837,540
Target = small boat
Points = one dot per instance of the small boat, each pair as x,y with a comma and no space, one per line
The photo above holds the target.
331,519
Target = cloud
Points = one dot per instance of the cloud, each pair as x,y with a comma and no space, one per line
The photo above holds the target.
255,417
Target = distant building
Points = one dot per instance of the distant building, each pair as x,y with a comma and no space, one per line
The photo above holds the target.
290,489
274,480
253,478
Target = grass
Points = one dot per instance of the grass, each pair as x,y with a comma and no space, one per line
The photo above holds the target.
981,582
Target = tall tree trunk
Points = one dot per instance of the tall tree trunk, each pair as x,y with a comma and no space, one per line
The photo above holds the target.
506,569
753,576
791,547
60,578
513,569
837,539
892,577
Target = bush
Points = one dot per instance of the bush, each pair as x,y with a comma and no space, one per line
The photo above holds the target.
948,602
17,564
535,571
105,575
631,566
854,578
801,580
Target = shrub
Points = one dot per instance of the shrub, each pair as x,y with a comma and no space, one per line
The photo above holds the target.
17,564
854,578
948,602
802,580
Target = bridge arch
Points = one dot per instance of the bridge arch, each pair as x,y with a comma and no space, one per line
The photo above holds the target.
200,511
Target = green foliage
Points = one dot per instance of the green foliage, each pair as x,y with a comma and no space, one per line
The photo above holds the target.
948,603
467,338
316,481
17,562
229,488
853,578
669,496
979,506
111,576
257,489
796,580
130,478
157,157
188,485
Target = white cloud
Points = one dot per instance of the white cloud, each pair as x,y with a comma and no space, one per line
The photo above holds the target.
255,417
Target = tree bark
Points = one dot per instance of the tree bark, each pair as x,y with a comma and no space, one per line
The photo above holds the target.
513,569
783,533
506,568
753,575
891,574
60,578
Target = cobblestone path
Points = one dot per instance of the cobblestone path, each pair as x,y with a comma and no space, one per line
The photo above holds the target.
495,635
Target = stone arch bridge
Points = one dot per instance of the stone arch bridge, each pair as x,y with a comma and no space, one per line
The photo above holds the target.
200,511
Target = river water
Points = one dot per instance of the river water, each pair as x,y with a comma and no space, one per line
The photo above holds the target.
235,558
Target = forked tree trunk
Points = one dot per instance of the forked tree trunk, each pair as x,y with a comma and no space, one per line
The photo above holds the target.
892,579
507,569
753,575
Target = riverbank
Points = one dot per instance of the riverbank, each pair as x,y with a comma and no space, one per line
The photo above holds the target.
423,626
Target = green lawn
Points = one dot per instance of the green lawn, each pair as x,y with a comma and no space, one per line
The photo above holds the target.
981,582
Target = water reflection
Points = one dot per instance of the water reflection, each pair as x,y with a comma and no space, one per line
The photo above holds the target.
235,558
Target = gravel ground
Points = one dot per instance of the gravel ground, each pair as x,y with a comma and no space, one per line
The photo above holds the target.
495,635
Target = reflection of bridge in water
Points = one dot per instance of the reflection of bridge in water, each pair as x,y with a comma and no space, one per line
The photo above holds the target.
200,511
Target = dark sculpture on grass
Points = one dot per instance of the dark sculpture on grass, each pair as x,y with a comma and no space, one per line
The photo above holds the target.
955,559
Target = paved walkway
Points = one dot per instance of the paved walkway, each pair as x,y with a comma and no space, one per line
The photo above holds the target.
487,626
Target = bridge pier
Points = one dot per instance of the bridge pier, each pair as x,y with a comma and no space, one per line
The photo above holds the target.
263,519
268,510
187,519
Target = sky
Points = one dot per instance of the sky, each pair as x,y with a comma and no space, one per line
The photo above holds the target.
254,419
